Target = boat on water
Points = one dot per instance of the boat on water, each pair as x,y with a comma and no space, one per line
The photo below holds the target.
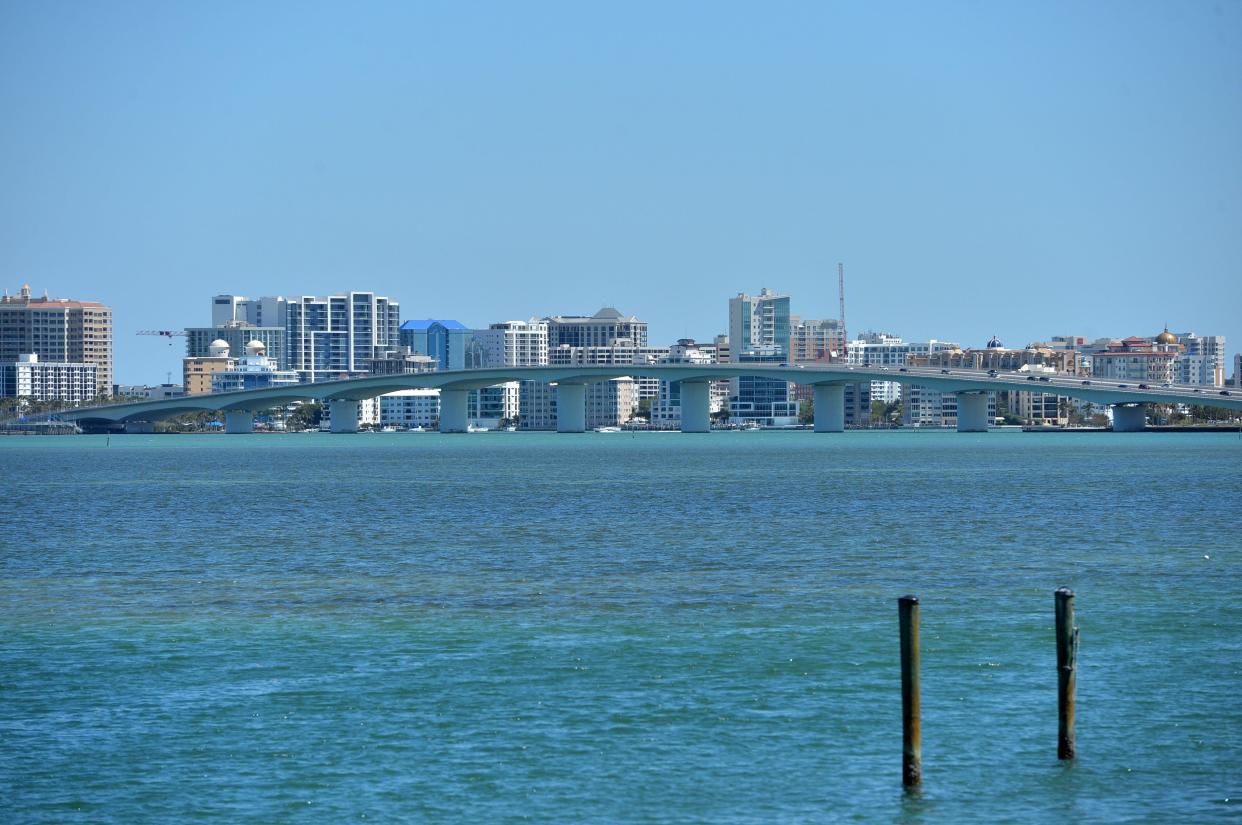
607,429
473,429
750,427
418,429
388,429
511,429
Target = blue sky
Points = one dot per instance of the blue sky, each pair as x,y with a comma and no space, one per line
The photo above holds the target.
1025,169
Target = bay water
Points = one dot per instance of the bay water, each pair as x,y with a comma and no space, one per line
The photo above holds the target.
648,627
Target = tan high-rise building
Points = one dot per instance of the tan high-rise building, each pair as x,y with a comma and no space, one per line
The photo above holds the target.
196,372
58,330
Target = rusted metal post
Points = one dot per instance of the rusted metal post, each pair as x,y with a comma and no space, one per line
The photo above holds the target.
1067,672
911,717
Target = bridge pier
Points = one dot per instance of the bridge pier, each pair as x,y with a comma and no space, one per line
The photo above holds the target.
344,415
454,411
239,422
139,427
829,408
972,412
1129,418
696,406
570,408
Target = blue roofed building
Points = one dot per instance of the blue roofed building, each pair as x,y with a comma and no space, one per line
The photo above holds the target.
448,342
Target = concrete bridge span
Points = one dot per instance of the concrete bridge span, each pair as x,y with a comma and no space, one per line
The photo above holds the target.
970,386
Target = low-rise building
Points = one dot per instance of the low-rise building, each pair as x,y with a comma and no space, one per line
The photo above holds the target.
253,371
28,377
1143,360
410,409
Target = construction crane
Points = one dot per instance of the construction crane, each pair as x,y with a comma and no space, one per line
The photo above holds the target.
845,341
163,333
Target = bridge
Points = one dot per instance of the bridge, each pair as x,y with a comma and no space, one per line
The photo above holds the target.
829,380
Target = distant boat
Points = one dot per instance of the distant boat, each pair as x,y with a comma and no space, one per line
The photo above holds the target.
750,427
607,429
473,429
418,429
511,429
388,429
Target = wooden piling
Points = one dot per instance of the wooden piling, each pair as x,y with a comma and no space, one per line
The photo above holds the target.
911,717
1067,672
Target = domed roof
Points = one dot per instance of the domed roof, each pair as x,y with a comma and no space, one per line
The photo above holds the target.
256,347
995,343
218,348
1166,337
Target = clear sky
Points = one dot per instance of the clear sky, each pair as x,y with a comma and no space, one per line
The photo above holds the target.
1025,169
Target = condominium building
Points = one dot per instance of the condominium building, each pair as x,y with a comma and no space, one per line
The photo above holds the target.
923,407
1138,359
602,329
28,377
197,372
1201,361
769,402
666,408
336,336
58,330
410,409
881,349
816,340
759,321
509,344
269,311
996,357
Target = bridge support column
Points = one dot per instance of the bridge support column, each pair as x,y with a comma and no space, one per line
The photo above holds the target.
696,406
1129,418
139,427
238,422
571,408
344,415
972,412
829,408
454,408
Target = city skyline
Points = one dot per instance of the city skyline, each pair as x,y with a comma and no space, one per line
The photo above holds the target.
1023,171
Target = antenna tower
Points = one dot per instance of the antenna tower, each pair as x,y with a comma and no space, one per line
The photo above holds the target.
845,341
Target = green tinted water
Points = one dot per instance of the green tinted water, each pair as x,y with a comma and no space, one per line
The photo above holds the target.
656,628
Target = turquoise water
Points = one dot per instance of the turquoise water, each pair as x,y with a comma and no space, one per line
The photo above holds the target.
614,628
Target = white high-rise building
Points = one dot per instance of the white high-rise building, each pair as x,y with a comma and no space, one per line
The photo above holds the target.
268,311
508,344
1202,360
28,377
337,336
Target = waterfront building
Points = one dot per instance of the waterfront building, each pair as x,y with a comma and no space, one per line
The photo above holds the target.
268,311
410,408
666,407
599,330
509,344
882,349
923,407
759,322
446,341
198,340
1201,361
1144,360
57,330
29,377
252,371
337,336
768,402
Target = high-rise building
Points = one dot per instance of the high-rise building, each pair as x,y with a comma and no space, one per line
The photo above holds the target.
197,371
447,341
816,340
602,329
1202,360
759,321
338,335
57,330
269,311
510,344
